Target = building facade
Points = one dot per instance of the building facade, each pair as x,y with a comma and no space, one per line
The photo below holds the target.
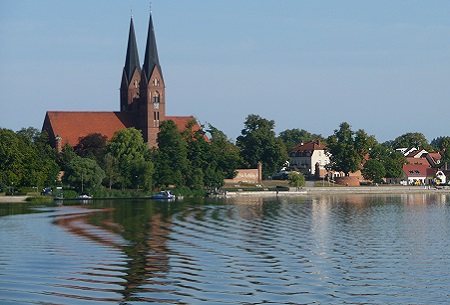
310,158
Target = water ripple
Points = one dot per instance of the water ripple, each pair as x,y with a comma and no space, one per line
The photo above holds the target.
354,249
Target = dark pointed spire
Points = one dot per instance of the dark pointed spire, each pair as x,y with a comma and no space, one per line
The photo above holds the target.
151,59
132,59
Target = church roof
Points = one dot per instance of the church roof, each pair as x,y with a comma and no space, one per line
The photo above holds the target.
132,57
151,59
72,125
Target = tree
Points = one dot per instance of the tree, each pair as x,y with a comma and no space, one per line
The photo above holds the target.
347,149
171,156
26,158
225,153
66,156
440,143
198,156
84,174
412,139
296,179
374,171
258,143
292,137
391,160
126,152
91,146
11,156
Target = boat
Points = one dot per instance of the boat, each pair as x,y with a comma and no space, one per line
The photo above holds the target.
163,195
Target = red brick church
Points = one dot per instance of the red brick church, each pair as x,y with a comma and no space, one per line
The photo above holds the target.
142,102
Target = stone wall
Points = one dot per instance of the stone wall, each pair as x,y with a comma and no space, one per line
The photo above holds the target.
253,175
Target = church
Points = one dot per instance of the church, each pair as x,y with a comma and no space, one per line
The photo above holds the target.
142,102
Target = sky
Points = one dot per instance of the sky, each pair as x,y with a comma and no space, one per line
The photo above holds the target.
381,66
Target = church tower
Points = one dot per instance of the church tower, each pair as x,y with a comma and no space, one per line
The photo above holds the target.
131,75
152,104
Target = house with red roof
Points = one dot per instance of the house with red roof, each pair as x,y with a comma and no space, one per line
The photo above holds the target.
142,102
310,158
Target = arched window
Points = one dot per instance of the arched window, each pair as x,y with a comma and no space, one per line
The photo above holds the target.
156,97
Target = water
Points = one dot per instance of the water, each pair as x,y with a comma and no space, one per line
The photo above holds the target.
354,249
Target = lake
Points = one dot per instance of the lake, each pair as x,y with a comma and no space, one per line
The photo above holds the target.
331,249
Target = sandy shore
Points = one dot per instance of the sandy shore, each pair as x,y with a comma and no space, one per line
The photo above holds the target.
8,199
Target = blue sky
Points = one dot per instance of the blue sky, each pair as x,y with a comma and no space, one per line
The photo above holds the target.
382,66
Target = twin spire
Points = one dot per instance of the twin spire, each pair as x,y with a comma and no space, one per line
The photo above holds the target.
151,59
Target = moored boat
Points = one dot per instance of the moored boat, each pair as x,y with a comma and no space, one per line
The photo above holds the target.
164,195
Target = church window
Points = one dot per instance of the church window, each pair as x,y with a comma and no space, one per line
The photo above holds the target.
156,98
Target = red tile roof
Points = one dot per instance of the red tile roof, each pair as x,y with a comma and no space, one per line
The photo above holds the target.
308,147
72,125
415,170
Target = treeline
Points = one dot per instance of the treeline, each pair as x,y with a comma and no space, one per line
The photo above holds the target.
194,159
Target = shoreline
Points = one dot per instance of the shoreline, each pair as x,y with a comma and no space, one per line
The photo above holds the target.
310,191
305,191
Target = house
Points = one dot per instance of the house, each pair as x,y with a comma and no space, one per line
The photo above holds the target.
142,102
310,158
415,174
433,158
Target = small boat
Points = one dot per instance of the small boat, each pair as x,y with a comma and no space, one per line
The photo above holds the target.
163,195
84,196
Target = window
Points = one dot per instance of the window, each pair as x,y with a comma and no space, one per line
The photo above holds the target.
156,98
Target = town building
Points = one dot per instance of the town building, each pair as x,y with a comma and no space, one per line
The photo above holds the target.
142,102
310,158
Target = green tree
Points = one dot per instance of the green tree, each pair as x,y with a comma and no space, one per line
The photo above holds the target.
224,153
374,171
66,156
11,156
26,158
440,143
412,139
171,156
292,137
126,152
258,143
347,149
91,146
41,167
296,179
111,169
391,160
199,156
84,174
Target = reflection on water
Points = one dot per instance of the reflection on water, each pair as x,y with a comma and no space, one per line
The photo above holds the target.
354,249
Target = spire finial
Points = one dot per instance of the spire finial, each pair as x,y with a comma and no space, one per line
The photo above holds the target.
150,7
131,9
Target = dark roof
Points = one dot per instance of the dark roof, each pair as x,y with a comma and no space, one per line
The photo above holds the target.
310,147
132,58
151,59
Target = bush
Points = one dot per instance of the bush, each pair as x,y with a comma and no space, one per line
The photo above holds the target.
40,199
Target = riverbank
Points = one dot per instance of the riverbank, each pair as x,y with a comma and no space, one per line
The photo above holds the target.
303,191
345,190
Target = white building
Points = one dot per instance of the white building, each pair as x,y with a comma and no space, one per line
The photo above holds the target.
307,156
